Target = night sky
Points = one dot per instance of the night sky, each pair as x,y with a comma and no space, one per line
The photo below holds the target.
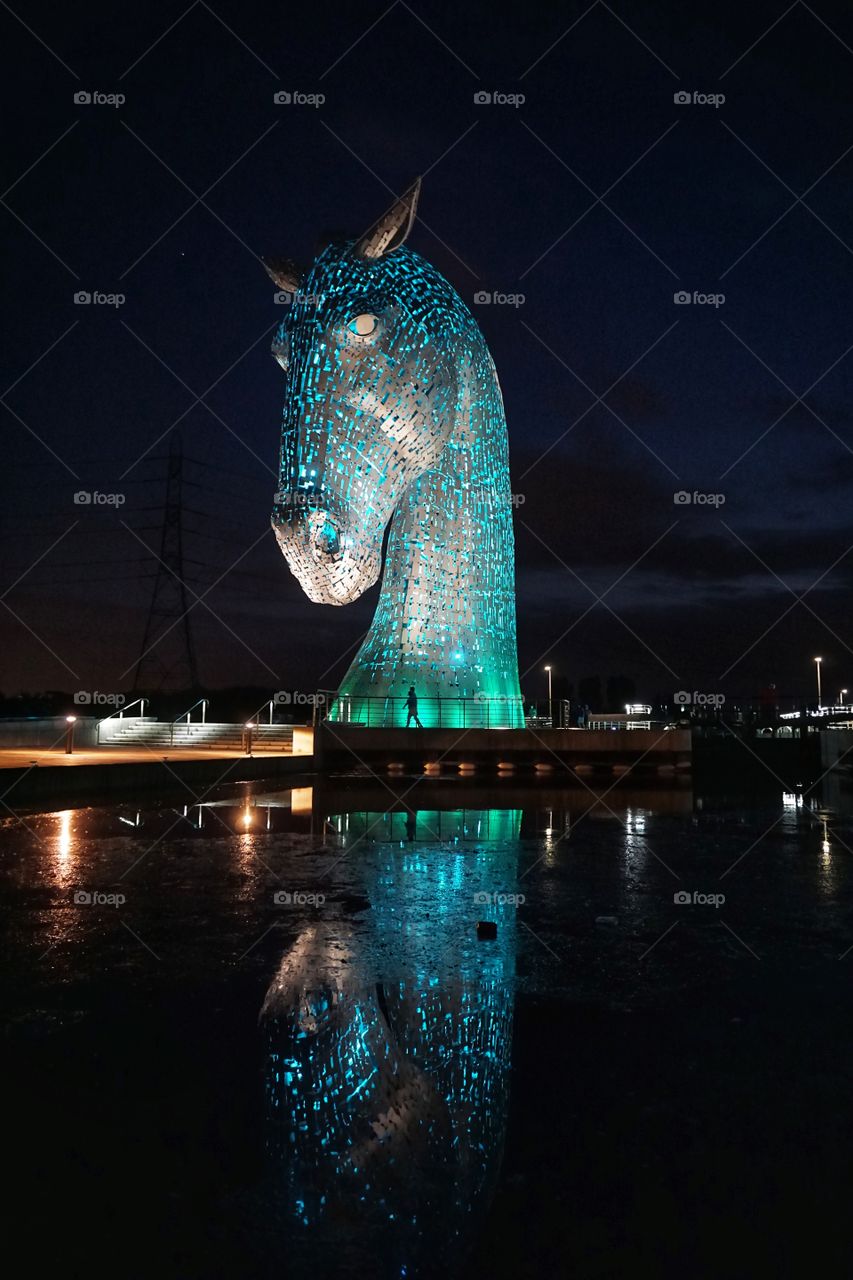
597,199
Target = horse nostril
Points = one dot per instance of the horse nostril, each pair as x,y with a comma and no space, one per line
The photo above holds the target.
327,539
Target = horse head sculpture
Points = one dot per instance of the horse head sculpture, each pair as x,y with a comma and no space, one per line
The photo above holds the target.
393,414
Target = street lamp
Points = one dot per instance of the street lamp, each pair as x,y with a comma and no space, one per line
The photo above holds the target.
842,694
818,661
69,734
250,724
550,708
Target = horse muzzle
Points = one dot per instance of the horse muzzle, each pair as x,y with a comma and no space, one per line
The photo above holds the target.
331,563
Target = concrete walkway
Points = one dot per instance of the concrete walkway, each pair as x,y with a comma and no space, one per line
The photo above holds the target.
23,757
39,778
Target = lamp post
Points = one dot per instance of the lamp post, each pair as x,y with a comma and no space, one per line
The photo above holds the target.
69,734
842,694
250,724
818,661
550,708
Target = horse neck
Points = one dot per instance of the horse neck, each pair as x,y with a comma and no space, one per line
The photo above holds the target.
445,619
476,453
457,514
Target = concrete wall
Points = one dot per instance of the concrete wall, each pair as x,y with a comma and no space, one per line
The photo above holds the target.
346,744
47,732
59,785
303,741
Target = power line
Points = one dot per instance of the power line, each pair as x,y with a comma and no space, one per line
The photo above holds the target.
167,658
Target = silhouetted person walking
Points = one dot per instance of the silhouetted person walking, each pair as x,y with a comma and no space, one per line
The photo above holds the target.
411,701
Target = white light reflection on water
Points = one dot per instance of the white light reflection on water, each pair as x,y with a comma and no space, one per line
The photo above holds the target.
246,851
65,845
636,849
829,874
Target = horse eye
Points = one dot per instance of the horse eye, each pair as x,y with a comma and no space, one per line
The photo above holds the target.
363,325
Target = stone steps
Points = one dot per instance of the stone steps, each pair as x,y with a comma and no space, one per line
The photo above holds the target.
139,732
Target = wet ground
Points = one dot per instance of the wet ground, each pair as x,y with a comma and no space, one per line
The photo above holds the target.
266,1039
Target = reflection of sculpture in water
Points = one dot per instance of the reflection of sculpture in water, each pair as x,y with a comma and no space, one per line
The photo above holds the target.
387,1068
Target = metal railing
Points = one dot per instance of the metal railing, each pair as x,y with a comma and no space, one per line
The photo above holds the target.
120,711
267,705
478,712
204,703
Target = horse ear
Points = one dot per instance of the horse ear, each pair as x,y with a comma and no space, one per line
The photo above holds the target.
393,227
284,273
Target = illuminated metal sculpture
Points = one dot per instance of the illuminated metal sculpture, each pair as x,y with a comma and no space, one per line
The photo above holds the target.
394,413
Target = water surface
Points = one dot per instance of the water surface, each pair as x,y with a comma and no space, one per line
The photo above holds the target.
265,1035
